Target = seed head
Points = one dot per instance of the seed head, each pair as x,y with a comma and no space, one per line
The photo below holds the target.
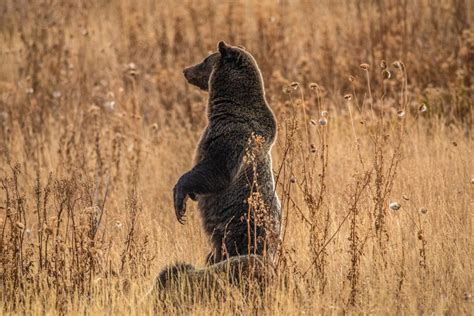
295,85
323,121
109,105
56,94
312,148
364,66
348,97
324,113
383,64
423,108
132,69
313,86
386,74
293,179
287,90
395,206
313,122
423,210
19,225
398,65
351,78
401,114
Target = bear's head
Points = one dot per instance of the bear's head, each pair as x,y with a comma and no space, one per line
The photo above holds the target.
199,74
229,65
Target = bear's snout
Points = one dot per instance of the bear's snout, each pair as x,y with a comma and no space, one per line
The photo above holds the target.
186,73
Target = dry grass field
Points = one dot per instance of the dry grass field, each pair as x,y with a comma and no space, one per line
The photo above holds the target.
373,160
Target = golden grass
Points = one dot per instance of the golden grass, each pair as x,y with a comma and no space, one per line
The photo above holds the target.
97,124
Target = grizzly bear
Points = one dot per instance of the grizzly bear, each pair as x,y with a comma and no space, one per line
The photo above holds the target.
232,178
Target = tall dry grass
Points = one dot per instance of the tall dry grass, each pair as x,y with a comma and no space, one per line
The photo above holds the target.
373,157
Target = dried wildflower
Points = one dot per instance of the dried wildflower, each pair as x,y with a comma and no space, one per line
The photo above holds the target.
20,225
348,97
295,85
351,78
423,210
324,113
293,179
287,90
401,114
132,69
109,105
394,206
323,121
313,122
312,148
383,64
364,66
398,65
118,225
423,108
386,74
313,86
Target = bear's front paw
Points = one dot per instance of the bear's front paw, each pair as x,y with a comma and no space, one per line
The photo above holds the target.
179,198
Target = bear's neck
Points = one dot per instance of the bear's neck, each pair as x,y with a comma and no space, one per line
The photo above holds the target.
238,92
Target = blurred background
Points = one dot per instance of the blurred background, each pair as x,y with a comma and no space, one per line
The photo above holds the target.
92,47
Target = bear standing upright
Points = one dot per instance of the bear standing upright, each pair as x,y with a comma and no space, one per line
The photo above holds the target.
232,179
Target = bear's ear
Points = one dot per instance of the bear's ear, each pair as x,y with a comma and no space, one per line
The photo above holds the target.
227,52
223,48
